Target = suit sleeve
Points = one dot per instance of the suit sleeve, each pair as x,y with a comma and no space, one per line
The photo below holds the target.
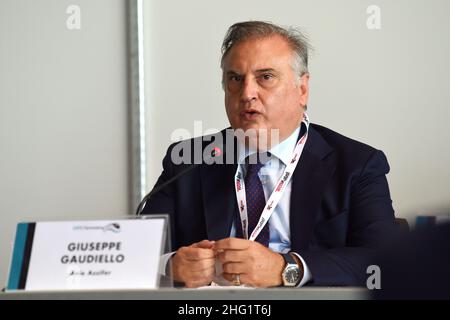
371,220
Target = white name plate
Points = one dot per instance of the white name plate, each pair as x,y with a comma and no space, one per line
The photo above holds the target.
103,254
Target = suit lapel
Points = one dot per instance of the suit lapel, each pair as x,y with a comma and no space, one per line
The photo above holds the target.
218,193
219,199
313,171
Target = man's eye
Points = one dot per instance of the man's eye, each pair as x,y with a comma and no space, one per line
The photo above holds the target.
267,76
235,78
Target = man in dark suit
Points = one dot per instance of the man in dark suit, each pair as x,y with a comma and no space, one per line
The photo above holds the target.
313,212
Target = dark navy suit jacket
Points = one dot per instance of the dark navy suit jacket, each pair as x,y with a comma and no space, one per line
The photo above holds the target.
416,265
340,208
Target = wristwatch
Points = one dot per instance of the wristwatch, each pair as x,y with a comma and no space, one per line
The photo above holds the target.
291,273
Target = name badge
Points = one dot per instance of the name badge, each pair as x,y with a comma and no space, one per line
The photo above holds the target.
102,254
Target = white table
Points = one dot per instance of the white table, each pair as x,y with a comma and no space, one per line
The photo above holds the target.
318,293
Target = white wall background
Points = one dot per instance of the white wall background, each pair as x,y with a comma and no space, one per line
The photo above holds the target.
63,114
388,88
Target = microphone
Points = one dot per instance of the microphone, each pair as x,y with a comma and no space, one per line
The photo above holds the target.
216,152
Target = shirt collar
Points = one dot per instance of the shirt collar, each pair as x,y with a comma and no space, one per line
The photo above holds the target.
283,151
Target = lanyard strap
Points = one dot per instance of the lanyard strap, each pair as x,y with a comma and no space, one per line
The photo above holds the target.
276,195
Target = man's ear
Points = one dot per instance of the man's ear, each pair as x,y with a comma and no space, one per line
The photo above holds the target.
304,89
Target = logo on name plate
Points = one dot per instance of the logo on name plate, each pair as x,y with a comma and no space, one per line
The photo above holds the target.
110,227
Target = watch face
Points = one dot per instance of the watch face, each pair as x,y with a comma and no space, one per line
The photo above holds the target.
292,275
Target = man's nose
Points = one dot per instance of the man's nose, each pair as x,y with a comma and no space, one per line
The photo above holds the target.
249,90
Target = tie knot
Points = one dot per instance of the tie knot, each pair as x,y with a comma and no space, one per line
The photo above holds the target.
253,169
256,161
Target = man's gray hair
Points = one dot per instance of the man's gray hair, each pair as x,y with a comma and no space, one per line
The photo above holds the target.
242,31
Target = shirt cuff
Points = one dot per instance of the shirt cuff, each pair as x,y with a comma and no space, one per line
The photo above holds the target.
163,260
306,273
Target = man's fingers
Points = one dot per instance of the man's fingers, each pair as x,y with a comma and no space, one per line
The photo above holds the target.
197,265
232,256
196,278
230,277
205,244
232,244
204,273
197,283
189,270
195,254
204,264
234,267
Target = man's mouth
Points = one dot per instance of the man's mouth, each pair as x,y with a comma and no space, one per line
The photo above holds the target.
250,114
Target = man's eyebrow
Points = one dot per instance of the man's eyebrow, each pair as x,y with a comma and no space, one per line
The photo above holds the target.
266,70
231,72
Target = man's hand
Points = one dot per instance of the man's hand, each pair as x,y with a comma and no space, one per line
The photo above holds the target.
194,265
257,265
